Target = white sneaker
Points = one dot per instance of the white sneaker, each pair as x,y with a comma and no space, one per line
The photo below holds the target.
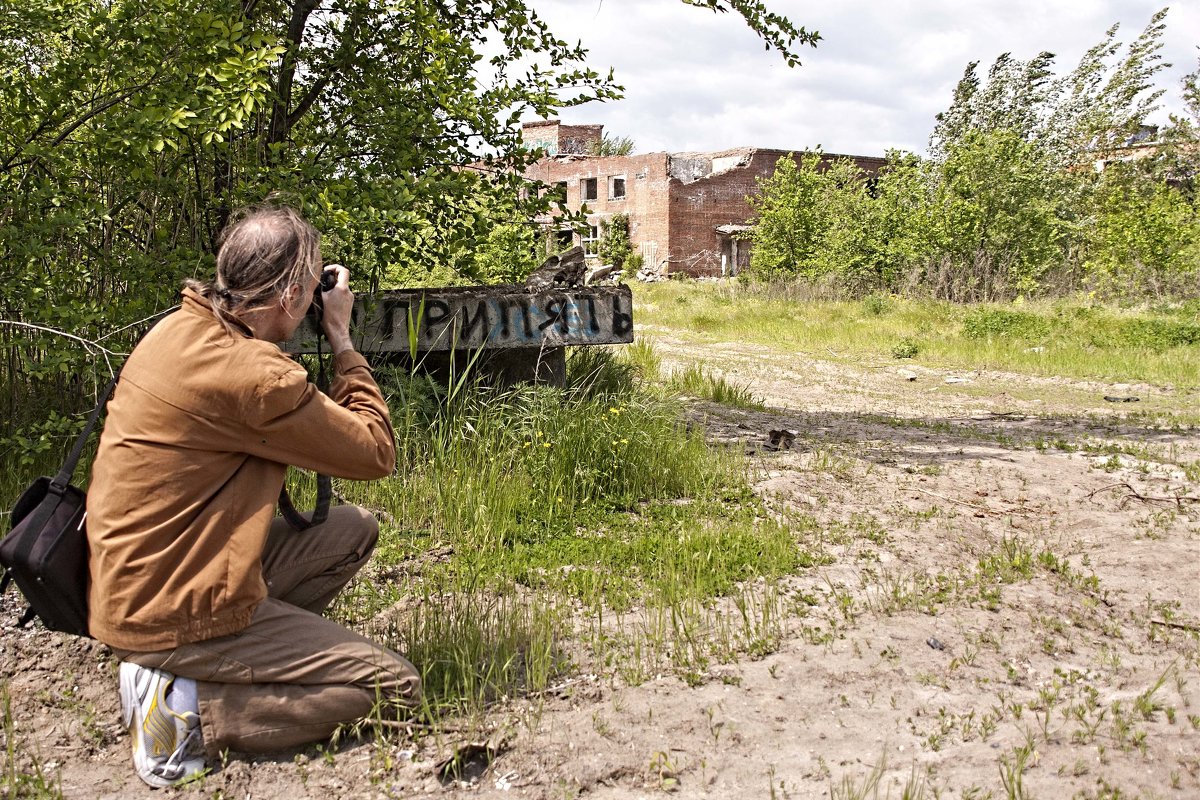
167,745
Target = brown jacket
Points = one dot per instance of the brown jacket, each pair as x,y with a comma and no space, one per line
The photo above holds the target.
190,465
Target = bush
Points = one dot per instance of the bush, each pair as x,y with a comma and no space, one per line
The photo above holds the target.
876,304
614,247
508,255
1159,334
633,265
986,323
907,348
790,220
1145,237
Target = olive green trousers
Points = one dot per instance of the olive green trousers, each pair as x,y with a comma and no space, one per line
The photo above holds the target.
292,676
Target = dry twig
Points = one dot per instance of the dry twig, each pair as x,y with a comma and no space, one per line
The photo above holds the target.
975,506
1183,626
1134,494
409,726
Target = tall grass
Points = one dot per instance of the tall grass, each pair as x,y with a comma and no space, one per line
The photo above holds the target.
697,381
1159,344
522,522
476,647
499,467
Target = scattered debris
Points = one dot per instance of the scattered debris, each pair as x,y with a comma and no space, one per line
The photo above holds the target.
1114,399
780,440
983,509
558,271
907,374
956,379
598,274
1183,626
563,689
413,565
935,644
467,762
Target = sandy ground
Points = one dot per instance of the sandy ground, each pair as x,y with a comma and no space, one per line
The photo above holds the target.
1008,606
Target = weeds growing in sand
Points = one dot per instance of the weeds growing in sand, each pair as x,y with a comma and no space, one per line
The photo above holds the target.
1012,771
23,774
871,784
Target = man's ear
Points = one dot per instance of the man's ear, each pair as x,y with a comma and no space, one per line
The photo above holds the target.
290,296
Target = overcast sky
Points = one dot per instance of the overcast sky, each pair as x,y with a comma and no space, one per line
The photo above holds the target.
695,80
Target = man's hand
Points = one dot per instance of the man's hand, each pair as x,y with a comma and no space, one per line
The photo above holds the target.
338,303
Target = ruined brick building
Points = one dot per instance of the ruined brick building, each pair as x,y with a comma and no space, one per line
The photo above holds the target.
685,209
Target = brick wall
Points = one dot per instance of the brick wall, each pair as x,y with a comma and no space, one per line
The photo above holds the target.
675,202
646,193
698,206
558,139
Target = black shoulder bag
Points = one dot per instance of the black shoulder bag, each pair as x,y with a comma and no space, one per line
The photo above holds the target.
46,552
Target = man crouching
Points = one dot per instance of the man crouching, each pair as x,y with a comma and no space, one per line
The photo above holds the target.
212,603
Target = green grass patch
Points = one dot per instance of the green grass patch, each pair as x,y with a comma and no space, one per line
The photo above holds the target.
644,359
475,648
698,381
663,553
499,467
1159,344
985,323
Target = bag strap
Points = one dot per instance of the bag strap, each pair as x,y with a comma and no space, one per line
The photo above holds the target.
29,614
60,481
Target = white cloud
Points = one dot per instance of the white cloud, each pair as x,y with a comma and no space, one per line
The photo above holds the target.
701,81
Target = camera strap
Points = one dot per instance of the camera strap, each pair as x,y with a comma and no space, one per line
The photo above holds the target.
324,483
319,514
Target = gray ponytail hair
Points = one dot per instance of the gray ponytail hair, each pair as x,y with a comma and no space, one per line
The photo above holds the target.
262,252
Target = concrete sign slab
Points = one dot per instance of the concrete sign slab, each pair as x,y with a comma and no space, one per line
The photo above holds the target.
469,317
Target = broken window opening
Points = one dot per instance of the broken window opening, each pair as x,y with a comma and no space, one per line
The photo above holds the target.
590,241
564,238
616,187
587,189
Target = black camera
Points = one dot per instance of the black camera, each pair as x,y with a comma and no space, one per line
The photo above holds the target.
327,282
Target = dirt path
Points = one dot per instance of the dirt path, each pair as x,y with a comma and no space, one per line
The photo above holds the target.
1000,609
